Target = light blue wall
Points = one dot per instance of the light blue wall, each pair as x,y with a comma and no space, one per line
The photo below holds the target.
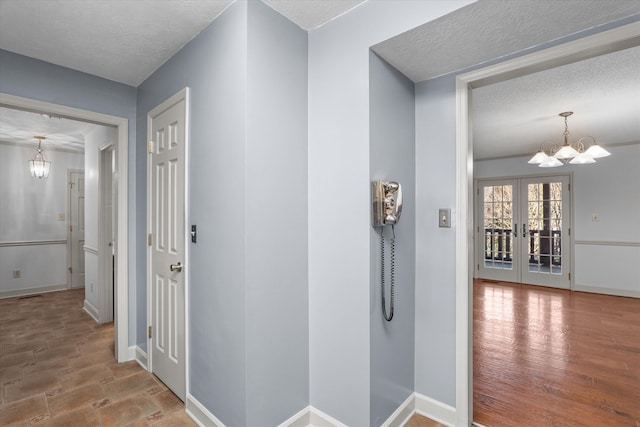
392,157
248,196
277,277
31,78
214,66
435,247
339,201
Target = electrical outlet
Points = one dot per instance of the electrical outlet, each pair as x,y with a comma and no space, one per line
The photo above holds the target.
61,217
17,274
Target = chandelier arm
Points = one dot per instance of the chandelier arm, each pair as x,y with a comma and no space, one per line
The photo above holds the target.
553,148
593,140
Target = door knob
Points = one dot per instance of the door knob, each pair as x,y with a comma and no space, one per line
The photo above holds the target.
175,267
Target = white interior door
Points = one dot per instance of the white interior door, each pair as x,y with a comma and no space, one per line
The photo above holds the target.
523,230
167,134
106,219
76,229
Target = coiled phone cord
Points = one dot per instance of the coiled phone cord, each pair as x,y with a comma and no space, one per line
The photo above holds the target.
392,261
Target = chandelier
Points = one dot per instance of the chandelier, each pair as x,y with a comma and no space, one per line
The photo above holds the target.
39,166
575,154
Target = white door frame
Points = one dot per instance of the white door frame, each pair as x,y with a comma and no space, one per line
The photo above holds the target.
588,47
183,94
122,238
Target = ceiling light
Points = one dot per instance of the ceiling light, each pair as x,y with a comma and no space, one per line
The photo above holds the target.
39,166
576,154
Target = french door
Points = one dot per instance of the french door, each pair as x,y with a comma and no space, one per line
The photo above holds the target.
523,230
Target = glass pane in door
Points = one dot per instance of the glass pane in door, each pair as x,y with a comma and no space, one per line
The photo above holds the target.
544,222
498,226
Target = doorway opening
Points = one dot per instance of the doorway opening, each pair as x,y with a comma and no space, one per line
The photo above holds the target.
587,47
121,254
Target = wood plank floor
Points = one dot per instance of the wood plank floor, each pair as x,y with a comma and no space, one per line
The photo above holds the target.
551,357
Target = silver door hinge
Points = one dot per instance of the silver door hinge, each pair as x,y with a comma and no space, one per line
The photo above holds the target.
149,146
149,331
70,270
70,228
478,267
569,276
149,239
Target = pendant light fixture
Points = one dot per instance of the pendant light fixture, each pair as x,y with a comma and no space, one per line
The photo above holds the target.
576,154
39,166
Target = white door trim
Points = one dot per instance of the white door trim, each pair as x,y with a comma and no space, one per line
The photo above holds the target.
181,95
122,240
588,47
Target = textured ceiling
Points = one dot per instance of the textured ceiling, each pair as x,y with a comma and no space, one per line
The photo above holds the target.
491,29
124,41
310,14
514,117
20,127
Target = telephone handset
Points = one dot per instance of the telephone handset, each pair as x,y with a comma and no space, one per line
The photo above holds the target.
387,207
387,202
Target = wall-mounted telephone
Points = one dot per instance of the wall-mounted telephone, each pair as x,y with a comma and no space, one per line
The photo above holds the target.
386,200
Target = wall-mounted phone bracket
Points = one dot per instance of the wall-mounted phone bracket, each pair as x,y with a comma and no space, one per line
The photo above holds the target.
386,197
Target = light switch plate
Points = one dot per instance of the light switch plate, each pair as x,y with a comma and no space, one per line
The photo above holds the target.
444,218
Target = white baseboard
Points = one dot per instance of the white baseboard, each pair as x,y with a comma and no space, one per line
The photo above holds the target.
301,419
401,415
317,418
312,417
92,310
200,414
437,411
607,291
139,355
32,291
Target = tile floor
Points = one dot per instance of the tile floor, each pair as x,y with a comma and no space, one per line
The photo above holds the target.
57,369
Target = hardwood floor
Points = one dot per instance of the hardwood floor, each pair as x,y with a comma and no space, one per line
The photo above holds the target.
551,357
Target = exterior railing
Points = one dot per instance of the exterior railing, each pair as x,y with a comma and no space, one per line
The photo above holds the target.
498,244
